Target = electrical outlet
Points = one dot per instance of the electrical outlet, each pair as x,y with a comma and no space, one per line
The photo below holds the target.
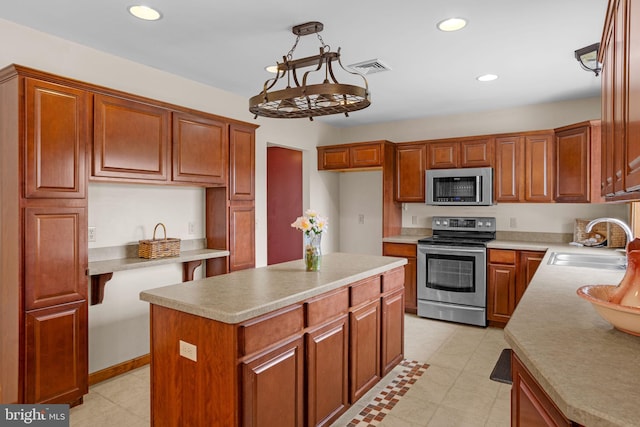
513,223
414,219
192,227
92,234
360,218
188,350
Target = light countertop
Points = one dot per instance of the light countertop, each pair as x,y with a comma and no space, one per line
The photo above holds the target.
589,369
242,295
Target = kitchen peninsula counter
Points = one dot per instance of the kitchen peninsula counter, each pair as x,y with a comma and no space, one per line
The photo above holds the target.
275,345
589,369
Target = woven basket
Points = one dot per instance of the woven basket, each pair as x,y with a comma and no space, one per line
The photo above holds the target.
159,248
615,235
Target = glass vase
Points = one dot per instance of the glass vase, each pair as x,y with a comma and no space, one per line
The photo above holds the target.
312,252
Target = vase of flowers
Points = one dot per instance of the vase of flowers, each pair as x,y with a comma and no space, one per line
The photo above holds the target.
312,226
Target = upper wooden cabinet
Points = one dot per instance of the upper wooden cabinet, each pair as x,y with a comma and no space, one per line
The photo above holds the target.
411,162
577,163
466,153
620,60
524,167
200,146
131,139
242,162
363,155
57,132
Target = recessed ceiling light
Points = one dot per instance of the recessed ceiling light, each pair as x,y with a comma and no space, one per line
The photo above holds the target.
452,24
486,77
145,12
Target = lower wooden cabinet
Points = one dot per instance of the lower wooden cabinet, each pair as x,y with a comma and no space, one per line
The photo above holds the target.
392,350
508,275
408,251
57,355
530,405
364,328
272,387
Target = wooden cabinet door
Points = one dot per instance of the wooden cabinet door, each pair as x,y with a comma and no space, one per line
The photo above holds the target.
242,163
131,139
538,168
363,156
530,405
333,158
364,326
200,149
242,237
272,388
55,256
508,174
572,171
56,136
443,155
528,263
56,354
620,96
408,251
392,350
476,153
607,75
632,154
327,372
411,162
501,284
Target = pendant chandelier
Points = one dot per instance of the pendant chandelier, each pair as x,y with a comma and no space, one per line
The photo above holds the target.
310,93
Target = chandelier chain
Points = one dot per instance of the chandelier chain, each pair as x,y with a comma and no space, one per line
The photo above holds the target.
290,53
325,47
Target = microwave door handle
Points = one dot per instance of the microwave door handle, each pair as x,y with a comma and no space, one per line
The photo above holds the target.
478,188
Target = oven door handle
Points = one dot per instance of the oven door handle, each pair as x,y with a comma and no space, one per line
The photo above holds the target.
454,249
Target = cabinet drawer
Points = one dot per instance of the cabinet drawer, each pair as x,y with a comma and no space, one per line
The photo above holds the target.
326,307
502,256
260,333
399,249
393,279
365,290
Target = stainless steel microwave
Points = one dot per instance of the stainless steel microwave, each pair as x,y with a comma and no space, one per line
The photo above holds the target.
459,187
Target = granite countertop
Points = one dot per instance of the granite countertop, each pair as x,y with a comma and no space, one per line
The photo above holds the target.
242,295
589,369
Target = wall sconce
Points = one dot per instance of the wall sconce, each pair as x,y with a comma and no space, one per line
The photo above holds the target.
588,58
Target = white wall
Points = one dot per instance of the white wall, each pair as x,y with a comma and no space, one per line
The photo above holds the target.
118,328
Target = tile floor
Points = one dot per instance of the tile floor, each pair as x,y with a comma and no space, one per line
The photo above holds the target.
454,391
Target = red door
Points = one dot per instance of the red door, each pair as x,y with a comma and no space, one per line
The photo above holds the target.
284,204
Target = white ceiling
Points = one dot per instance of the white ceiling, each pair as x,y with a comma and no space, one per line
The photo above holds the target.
227,44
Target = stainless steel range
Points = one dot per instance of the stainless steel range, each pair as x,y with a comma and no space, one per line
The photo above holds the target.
452,269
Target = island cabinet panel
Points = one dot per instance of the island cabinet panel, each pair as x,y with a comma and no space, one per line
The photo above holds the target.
408,251
272,388
131,139
578,163
56,135
258,334
411,162
56,353
327,371
55,255
200,149
530,405
364,325
392,350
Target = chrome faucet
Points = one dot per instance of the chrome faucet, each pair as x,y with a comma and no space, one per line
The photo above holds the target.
616,221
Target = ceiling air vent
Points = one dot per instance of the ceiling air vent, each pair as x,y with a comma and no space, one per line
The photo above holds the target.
371,66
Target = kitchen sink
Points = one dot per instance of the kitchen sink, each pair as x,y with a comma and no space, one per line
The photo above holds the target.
604,262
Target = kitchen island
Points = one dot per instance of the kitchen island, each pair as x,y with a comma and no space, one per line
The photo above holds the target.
275,345
588,369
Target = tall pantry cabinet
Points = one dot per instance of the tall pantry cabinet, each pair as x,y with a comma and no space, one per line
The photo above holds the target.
44,129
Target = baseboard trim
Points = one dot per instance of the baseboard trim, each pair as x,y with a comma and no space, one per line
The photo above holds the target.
120,368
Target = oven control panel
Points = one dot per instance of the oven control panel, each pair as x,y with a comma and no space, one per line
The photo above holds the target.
463,223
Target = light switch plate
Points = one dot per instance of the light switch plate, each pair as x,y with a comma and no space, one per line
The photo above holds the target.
188,350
